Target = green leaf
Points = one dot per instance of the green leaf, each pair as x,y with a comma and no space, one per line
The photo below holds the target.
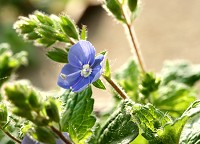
77,118
9,63
115,8
44,134
68,27
99,84
45,30
127,77
119,128
180,71
58,55
3,114
150,120
84,32
191,131
107,72
132,4
174,98
148,85
171,132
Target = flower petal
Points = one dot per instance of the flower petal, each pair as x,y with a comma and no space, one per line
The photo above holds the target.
98,61
69,81
69,69
96,73
82,84
81,53
28,140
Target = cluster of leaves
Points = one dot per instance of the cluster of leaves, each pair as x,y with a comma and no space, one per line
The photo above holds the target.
45,30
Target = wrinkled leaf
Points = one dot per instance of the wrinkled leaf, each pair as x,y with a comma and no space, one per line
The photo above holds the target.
171,132
119,129
77,119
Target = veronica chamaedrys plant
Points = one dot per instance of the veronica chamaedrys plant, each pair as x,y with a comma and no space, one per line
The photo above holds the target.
83,67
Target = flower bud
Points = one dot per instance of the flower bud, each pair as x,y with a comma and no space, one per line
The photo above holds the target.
52,110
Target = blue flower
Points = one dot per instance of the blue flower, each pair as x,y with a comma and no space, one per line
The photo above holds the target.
83,68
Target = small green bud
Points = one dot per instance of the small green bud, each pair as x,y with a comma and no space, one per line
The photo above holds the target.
132,4
3,114
44,19
34,100
45,135
23,113
52,110
18,92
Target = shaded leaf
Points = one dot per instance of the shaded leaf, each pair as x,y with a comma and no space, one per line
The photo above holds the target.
174,98
180,71
128,78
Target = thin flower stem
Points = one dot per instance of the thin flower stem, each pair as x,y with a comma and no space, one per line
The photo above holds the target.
11,136
60,135
116,87
134,42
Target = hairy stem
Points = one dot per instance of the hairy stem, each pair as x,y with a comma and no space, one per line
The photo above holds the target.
116,87
60,135
134,42
11,136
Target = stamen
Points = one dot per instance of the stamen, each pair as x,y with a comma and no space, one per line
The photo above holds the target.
86,71
63,76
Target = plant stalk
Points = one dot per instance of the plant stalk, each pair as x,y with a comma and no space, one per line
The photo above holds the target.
134,42
11,136
60,135
116,87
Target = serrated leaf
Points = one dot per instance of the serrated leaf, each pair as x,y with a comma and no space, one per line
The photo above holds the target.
115,8
174,98
127,77
191,131
107,72
171,132
180,71
150,120
99,84
84,32
58,55
119,129
77,119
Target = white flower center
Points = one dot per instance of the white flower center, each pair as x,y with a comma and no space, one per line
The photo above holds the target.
86,71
